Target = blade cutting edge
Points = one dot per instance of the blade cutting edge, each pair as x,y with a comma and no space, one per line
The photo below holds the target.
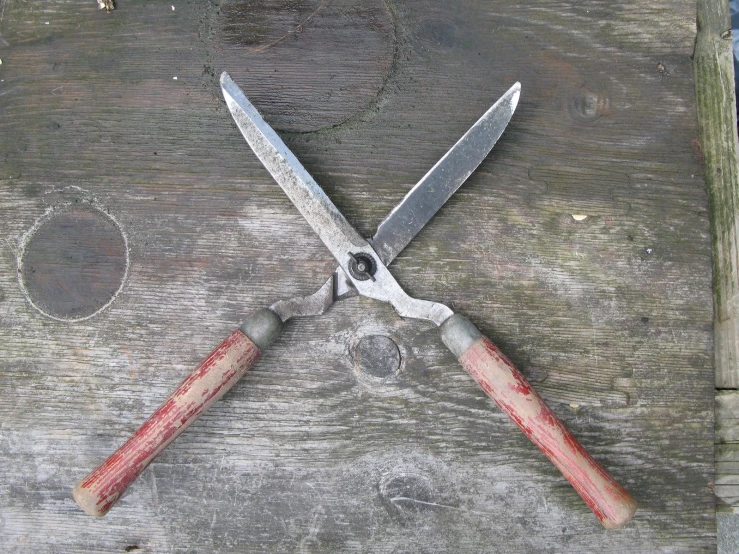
444,178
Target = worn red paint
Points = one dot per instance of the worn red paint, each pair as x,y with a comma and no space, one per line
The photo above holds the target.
510,390
207,383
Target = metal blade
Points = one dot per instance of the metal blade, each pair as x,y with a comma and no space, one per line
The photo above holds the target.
443,180
326,220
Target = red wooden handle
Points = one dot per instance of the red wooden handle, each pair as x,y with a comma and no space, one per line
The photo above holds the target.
510,390
210,380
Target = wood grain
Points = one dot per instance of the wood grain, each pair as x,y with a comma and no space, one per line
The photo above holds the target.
727,450
609,316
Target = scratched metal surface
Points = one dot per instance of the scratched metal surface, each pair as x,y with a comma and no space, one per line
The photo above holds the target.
138,230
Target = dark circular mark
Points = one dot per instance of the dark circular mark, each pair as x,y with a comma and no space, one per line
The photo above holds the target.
377,356
305,64
645,320
54,126
588,106
73,262
407,494
535,374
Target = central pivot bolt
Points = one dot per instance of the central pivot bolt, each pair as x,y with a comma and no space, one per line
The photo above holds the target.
362,267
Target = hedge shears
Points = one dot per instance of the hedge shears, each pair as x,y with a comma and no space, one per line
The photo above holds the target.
362,270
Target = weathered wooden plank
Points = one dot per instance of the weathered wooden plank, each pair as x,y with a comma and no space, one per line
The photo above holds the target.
727,450
727,417
714,82
727,477
609,316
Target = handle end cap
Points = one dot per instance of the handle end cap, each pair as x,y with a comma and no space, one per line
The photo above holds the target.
88,501
623,514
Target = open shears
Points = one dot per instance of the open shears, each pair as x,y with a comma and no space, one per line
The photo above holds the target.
362,270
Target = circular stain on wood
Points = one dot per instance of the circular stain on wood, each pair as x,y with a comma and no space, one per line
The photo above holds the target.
73,263
377,356
588,106
407,494
305,64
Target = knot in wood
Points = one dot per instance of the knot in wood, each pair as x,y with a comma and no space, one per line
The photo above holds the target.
377,356
588,106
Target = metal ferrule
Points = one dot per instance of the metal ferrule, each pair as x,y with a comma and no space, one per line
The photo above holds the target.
458,333
262,327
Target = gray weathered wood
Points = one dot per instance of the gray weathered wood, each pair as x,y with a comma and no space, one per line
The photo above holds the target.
609,316
727,449
714,87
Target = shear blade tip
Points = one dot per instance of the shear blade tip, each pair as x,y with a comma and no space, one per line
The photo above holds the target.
225,78
229,89
515,96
